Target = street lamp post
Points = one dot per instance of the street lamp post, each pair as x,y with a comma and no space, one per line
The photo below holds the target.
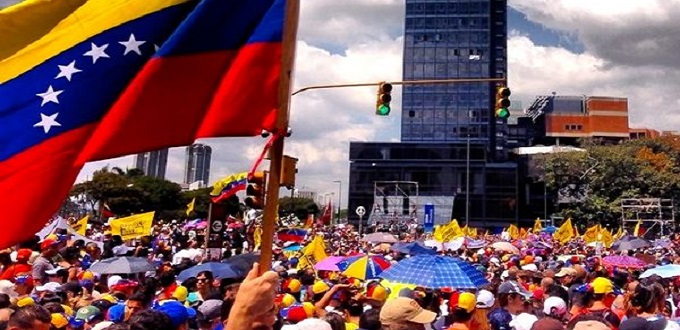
339,199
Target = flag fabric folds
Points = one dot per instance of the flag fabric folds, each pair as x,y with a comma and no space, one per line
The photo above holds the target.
133,226
314,252
538,226
228,186
636,230
190,206
513,231
565,232
105,78
80,226
591,234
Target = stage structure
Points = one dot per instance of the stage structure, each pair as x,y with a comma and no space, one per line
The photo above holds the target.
656,214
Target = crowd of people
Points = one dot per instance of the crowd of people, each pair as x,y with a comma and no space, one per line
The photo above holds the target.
47,283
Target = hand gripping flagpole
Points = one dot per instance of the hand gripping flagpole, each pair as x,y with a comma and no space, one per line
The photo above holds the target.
276,151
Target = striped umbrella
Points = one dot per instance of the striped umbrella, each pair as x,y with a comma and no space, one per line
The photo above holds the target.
436,272
363,267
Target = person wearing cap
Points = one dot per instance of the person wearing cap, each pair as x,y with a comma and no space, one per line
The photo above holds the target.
597,300
43,262
511,299
405,313
462,306
566,276
20,267
210,311
556,308
89,316
179,314
485,302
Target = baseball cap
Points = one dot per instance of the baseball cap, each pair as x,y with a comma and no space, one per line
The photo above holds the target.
113,280
523,321
485,299
87,313
602,285
554,306
377,292
102,325
116,313
566,271
8,288
23,255
293,285
48,243
463,300
295,313
49,286
312,324
181,293
510,287
403,309
177,312
211,308
61,321
54,271
320,287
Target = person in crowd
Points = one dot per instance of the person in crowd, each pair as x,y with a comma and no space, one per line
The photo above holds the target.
404,313
32,317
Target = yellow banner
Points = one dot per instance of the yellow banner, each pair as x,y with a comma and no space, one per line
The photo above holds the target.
590,235
606,238
513,231
314,252
538,226
564,233
81,225
133,226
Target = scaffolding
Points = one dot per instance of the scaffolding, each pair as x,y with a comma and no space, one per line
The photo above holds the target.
655,214
394,201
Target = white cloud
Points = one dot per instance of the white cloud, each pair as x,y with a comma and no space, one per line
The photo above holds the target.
360,41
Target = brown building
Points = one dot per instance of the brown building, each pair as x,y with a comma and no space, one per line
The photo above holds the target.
643,133
565,119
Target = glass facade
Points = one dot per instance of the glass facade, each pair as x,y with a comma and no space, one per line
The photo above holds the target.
448,39
197,166
440,170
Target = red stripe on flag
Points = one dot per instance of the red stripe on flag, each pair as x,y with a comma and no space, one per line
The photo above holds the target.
175,100
33,187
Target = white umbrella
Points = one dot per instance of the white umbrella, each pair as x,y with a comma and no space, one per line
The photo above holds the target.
505,246
454,244
435,244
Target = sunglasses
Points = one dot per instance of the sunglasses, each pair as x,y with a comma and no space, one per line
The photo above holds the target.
202,279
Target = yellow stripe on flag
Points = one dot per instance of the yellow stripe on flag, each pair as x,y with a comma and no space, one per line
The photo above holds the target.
88,20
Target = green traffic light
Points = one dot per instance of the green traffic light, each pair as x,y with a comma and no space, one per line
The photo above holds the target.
383,110
502,113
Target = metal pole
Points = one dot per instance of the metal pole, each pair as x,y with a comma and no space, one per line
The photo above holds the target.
545,199
410,82
361,224
467,181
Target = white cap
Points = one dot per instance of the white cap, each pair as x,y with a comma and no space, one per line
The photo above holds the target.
495,261
121,250
54,271
505,274
8,288
49,286
485,299
555,306
313,324
523,321
102,325
113,280
530,267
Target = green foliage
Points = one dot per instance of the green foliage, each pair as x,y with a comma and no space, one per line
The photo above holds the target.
302,207
605,174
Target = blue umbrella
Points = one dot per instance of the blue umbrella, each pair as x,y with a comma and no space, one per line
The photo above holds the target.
218,269
666,271
413,248
435,272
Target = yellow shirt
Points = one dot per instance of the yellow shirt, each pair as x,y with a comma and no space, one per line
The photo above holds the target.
351,326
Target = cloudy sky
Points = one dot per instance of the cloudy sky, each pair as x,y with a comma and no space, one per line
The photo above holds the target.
625,48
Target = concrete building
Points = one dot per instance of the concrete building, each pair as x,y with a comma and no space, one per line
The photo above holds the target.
153,163
197,164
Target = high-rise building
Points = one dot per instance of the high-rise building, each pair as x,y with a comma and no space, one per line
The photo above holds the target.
450,39
452,145
153,163
197,166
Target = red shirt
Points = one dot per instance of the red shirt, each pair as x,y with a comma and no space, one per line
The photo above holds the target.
17,269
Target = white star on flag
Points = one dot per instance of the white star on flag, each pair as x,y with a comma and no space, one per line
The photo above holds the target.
97,52
46,122
67,71
49,96
132,45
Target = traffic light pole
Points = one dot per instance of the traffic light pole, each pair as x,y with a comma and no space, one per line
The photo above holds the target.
409,82
276,151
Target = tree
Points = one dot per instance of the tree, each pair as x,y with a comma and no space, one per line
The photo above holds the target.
302,207
591,184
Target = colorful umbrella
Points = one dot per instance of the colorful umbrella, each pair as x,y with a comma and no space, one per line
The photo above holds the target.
123,265
505,246
666,271
630,243
436,272
379,238
291,235
623,261
329,264
363,267
413,248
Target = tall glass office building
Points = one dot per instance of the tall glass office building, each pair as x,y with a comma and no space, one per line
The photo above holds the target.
448,39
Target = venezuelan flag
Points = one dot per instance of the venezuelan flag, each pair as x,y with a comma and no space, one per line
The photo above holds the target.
90,80
228,186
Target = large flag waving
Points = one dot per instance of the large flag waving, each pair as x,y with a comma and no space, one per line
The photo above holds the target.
90,80
564,233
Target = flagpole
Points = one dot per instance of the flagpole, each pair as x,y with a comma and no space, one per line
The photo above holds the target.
276,151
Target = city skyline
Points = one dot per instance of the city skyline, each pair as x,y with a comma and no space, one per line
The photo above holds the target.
570,54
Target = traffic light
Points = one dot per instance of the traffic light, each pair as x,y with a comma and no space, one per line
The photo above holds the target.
255,192
288,171
382,104
502,102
